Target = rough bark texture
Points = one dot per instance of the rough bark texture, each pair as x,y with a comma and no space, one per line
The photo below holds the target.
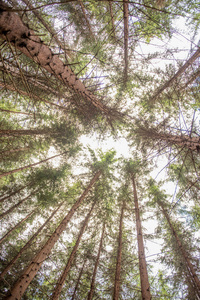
21,285
12,262
62,279
125,10
17,33
191,271
119,257
12,229
92,286
145,287
29,166
178,73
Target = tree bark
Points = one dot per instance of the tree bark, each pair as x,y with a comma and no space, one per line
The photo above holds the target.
19,132
17,33
86,18
119,257
12,229
16,205
177,74
191,271
61,281
7,152
144,280
78,281
12,262
125,11
29,274
92,286
15,192
14,112
30,166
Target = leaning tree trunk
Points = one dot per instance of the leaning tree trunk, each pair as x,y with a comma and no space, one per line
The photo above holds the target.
19,132
30,166
125,11
13,30
29,273
12,262
91,292
61,281
177,74
16,226
145,287
15,192
78,280
16,205
119,257
191,271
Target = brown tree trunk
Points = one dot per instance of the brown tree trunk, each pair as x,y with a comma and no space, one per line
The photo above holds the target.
191,271
14,112
47,26
30,166
16,205
15,192
125,10
78,280
119,257
91,292
29,274
12,262
16,32
145,287
12,229
7,152
112,19
86,18
178,73
60,283
18,132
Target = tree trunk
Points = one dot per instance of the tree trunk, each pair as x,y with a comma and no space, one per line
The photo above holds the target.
15,112
145,287
12,229
125,11
16,32
78,280
178,73
29,274
7,152
61,281
119,257
16,205
86,18
12,262
15,192
30,166
91,292
191,271
112,19
18,132
47,26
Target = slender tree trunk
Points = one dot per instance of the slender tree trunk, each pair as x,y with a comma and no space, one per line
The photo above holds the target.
92,286
30,166
191,271
178,73
78,280
112,19
60,283
86,18
14,112
119,257
7,152
19,132
27,245
16,32
16,205
12,229
29,274
145,287
125,10
15,192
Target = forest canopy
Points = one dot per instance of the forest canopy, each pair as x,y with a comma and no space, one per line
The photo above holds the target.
99,149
